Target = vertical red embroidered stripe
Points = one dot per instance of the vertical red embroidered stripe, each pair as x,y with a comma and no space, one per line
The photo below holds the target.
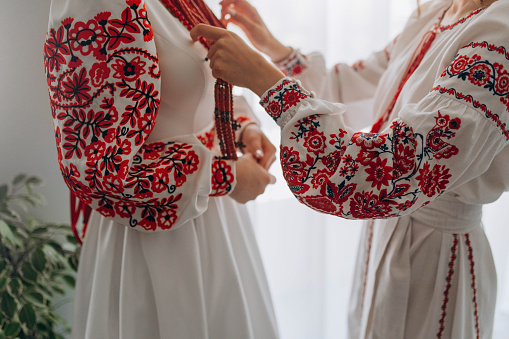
448,286
415,61
474,287
368,254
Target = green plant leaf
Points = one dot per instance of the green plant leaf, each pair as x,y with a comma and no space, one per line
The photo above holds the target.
27,316
56,246
69,279
3,265
8,305
38,260
19,178
8,236
35,298
15,287
4,190
3,282
12,329
40,230
57,289
9,214
73,263
27,272
33,181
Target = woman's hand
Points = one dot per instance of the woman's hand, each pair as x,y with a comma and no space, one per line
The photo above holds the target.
232,60
253,141
252,179
242,14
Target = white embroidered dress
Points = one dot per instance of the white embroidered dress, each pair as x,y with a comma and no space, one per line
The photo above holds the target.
425,268
167,253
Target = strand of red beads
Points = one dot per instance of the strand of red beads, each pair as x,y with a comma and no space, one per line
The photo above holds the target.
191,13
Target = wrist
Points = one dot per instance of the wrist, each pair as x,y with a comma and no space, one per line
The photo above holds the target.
266,75
279,52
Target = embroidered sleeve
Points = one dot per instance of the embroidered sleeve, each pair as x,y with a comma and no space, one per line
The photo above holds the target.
427,151
353,85
104,87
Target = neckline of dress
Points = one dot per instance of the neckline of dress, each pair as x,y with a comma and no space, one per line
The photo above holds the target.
438,28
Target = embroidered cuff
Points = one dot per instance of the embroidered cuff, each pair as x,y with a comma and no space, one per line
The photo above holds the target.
294,64
223,177
241,122
280,101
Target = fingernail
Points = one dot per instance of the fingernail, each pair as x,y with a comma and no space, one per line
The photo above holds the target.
272,179
232,11
259,154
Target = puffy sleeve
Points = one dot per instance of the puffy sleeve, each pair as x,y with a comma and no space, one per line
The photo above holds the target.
104,86
448,138
353,85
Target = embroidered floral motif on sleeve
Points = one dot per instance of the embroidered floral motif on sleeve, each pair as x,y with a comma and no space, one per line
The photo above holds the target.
103,83
294,64
480,72
326,171
286,95
222,177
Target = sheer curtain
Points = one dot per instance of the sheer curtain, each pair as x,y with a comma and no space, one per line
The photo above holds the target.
309,256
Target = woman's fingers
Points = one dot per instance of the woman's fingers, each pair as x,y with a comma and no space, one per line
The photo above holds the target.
207,32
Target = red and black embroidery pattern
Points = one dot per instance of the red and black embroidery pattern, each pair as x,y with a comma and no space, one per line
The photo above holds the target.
481,75
294,65
468,242
286,95
103,79
325,171
450,273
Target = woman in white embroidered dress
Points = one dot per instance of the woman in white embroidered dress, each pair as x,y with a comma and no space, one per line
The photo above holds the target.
437,152
111,66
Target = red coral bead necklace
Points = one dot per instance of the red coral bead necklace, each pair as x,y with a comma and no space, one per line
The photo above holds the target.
191,13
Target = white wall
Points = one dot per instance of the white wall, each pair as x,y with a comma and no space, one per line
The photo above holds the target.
27,143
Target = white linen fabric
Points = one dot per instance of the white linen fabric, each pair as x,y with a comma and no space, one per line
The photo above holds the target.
425,267
202,277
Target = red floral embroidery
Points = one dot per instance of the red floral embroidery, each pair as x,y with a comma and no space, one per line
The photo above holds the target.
87,38
292,98
274,109
379,173
99,73
161,180
294,65
207,139
315,142
166,219
319,203
367,205
433,182
479,74
285,95
459,64
368,140
130,70
320,178
403,161
293,168
77,88
104,94
222,177
325,173
502,82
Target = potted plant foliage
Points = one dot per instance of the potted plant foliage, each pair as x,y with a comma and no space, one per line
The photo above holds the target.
38,261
